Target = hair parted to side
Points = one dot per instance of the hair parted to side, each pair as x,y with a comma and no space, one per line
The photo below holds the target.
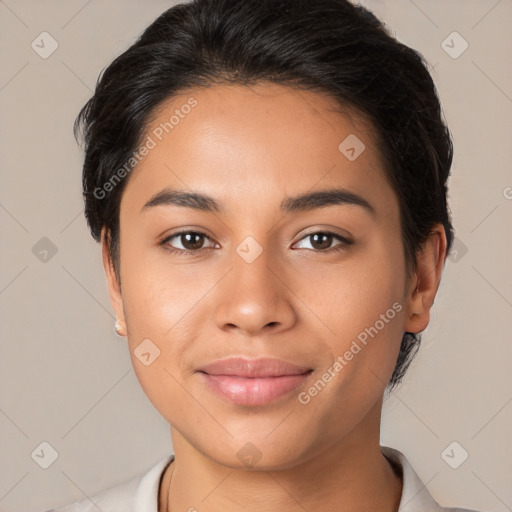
326,46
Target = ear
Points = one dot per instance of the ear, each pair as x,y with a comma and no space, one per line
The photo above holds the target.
114,287
425,280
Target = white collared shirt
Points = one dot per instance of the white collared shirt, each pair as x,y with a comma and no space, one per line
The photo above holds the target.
141,493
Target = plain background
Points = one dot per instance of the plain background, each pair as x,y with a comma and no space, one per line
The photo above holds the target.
66,379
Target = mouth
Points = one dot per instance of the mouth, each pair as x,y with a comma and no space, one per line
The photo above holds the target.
254,382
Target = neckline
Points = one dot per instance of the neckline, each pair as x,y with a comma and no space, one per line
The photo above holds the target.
388,453
160,482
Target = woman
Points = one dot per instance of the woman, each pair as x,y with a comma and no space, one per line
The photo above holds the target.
268,183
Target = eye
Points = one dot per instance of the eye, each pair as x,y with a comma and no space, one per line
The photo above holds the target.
186,242
192,242
321,241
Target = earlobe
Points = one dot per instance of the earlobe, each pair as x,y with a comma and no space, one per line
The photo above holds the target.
113,285
120,329
426,279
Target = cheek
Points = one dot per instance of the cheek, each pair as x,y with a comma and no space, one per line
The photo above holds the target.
166,310
159,311
361,306
350,296
157,293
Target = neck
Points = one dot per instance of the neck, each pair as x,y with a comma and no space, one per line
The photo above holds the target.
351,475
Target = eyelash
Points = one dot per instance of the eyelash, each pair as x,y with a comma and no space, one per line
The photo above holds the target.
345,242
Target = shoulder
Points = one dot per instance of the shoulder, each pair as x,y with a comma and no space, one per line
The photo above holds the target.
118,497
136,495
415,495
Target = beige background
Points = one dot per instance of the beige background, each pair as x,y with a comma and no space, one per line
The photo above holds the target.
66,378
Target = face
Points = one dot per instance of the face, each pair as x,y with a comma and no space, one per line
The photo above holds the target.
295,254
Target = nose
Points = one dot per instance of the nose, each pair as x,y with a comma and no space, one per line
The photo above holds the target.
254,298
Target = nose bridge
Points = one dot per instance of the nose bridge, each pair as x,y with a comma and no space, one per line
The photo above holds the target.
251,263
252,296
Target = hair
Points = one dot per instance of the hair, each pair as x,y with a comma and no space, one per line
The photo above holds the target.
326,46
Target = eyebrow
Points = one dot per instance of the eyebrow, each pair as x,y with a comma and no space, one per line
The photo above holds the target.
303,202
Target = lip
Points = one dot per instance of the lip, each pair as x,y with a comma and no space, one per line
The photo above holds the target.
253,382
262,367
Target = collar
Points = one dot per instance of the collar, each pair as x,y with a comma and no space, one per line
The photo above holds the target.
415,495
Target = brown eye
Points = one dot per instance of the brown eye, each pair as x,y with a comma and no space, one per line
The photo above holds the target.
186,242
192,241
322,241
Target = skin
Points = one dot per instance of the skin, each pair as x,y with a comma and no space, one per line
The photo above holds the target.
293,302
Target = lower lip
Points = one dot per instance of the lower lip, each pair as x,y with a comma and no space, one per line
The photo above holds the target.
254,391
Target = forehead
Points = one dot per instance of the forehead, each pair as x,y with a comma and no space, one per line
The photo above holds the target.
232,139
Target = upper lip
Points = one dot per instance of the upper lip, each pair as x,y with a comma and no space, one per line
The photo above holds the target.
263,367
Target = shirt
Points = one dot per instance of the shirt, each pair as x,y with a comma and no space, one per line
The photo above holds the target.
141,493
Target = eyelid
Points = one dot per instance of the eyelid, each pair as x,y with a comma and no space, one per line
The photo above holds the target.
327,229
